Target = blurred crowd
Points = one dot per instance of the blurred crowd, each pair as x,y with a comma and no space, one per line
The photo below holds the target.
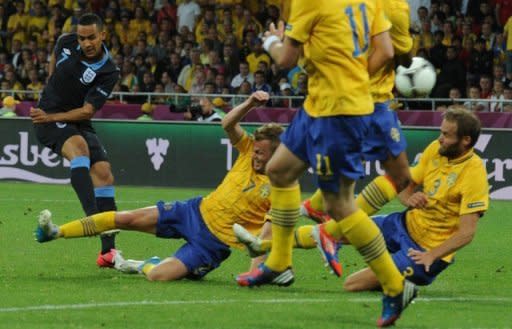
470,44
188,47
195,47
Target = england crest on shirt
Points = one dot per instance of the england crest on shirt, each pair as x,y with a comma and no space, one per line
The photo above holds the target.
88,76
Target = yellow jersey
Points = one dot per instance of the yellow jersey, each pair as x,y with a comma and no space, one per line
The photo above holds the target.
254,60
243,197
508,30
454,188
336,35
18,23
382,82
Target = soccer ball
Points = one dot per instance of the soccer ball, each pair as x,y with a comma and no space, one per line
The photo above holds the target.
417,80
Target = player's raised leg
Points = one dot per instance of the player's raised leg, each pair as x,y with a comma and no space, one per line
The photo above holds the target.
143,220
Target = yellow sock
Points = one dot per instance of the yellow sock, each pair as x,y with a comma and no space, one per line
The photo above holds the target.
303,239
89,226
333,229
147,268
317,200
285,212
266,245
376,194
364,234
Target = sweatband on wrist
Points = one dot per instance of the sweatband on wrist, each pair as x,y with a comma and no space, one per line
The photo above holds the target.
269,41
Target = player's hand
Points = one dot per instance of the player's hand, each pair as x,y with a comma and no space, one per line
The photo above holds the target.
272,30
259,98
39,116
417,200
421,257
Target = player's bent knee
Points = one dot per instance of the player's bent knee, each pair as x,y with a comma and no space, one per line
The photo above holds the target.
361,281
278,177
350,286
153,275
125,220
102,175
75,146
168,270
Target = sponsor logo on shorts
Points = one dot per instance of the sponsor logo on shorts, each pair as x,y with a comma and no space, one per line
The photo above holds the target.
167,206
395,134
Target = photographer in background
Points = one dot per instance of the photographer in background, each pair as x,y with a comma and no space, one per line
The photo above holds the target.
205,111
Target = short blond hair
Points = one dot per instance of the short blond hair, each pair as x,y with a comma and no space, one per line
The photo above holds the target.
270,131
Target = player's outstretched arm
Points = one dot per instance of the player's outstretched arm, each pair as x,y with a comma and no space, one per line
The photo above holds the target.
230,122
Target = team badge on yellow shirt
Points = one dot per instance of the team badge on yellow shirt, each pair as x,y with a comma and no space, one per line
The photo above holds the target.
450,180
265,191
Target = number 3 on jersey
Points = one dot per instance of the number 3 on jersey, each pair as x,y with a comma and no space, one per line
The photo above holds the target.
356,36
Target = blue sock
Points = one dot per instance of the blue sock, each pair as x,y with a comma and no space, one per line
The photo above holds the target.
105,199
82,184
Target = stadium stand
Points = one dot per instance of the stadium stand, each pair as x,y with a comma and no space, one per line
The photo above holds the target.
197,46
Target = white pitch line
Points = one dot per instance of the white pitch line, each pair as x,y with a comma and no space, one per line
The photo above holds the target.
72,200
466,299
163,302
57,307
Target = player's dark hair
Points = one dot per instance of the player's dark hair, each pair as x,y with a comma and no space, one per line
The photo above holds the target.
271,132
91,19
467,122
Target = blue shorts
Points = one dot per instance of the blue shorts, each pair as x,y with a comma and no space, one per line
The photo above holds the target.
203,252
398,242
332,146
385,135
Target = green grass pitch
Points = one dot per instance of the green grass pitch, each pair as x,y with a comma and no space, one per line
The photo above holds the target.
57,284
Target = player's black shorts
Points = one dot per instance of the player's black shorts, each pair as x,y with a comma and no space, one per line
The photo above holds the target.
54,135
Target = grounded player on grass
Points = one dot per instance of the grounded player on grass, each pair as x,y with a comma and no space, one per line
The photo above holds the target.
440,219
205,223
327,134
81,77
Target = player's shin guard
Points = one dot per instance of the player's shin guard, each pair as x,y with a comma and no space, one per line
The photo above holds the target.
376,194
364,234
88,226
105,199
82,184
285,213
